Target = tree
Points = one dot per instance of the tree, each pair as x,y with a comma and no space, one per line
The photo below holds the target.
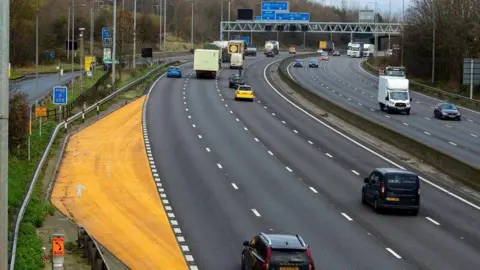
18,123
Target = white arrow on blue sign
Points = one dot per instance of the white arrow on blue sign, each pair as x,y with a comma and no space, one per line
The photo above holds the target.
60,95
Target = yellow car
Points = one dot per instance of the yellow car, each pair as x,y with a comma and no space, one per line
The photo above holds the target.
244,92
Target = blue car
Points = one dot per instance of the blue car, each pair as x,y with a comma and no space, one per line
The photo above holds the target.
174,72
313,63
298,63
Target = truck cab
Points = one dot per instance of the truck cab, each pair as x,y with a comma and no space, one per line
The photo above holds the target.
394,94
356,51
292,50
395,71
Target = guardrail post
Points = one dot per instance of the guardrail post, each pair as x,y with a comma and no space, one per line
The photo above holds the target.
60,113
66,125
98,109
83,116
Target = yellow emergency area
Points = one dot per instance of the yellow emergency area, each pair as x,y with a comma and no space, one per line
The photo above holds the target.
105,184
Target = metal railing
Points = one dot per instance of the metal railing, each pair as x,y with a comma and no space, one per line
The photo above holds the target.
438,92
64,124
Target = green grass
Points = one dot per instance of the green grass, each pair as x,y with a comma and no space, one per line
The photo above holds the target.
20,71
77,91
29,247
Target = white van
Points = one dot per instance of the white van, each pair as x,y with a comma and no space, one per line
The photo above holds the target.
236,61
393,94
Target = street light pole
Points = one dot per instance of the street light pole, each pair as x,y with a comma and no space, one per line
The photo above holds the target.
229,3
375,18
68,34
191,34
4,109
81,59
91,30
114,50
433,44
164,23
221,20
134,30
403,31
73,44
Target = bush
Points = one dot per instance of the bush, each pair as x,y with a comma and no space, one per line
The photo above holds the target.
18,123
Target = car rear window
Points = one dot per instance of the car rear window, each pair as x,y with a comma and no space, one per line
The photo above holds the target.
401,181
245,88
288,256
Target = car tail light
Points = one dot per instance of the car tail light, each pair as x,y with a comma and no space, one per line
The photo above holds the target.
311,265
382,193
418,187
267,259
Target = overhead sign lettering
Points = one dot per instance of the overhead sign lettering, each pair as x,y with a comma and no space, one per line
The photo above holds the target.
292,16
275,5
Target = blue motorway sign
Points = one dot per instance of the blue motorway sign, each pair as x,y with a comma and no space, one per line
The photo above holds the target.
106,33
292,16
275,5
60,95
258,18
246,39
52,54
268,15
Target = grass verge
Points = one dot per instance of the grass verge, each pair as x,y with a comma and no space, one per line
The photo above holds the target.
30,247
21,71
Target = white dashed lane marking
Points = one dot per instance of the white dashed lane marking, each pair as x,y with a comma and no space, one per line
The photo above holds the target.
288,169
219,166
347,217
452,143
313,189
234,186
393,253
328,155
355,172
433,221
199,136
256,212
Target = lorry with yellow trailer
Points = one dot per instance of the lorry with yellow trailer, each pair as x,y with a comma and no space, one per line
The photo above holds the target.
326,45
237,46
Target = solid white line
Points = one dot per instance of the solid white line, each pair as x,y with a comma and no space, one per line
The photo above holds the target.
347,217
359,144
256,212
270,152
328,155
255,139
433,221
310,142
219,166
199,136
288,169
452,143
355,172
208,149
393,253
314,190
234,186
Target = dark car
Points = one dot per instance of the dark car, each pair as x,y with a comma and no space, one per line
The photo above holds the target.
298,63
392,188
313,63
336,53
236,80
447,111
277,251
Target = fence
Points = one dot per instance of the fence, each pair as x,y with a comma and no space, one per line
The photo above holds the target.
91,250
64,124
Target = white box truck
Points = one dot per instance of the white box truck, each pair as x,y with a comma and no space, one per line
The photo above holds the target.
206,63
393,94
236,61
356,50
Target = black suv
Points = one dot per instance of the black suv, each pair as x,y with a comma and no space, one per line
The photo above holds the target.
236,80
392,188
275,252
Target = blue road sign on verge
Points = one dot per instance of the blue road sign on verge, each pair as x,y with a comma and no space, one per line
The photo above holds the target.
268,15
60,95
292,16
276,5
106,33
52,55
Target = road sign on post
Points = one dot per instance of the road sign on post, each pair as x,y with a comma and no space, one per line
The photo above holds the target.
471,73
106,38
60,95
58,249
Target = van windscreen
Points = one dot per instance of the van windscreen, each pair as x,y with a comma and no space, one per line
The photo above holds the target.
401,181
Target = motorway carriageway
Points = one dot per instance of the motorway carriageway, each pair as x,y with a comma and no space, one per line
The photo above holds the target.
232,169
342,81
119,204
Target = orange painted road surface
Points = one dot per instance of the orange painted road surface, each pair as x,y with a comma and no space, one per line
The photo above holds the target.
105,185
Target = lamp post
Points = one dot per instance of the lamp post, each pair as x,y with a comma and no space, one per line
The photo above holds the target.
191,33
229,4
433,42
82,58
403,31
92,26
4,109
164,23
114,50
134,31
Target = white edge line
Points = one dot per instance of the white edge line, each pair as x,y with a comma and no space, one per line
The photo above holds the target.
393,253
347,217
359,144
188,257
